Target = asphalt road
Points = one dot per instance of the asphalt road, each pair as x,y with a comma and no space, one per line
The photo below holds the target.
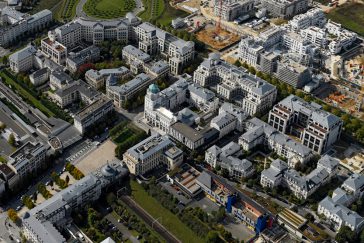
148,219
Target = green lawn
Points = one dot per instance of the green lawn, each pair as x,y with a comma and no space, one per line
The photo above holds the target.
350,15
161,11
26,95
68,10
168,219
108,9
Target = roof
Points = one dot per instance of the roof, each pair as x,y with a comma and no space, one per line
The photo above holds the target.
187,131
23,53
355,182
108,240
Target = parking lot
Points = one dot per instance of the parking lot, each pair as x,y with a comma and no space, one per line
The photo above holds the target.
81,150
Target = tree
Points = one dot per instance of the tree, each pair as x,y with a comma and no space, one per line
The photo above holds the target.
11,140
346,235
213,237
67,179
13,216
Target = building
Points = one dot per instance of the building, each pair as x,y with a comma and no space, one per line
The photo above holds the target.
188,136
313,17
235,202
28,159
293,73
97,78
229,10
249,51
14,24
39,77
153,41
335,208
316,128
261,133
227,158
22,60
87,55
253,94
59,80
75,91
301,186
237,112
135,58
54,50
285,9
94,112
8,175
152,152
122,95
46,221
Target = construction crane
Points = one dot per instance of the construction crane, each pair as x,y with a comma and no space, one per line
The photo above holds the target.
218,23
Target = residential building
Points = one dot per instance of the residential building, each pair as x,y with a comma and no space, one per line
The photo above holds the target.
152,152
94,112
135,58
70,34
301,186
39,77
153,41
316,128
261,133
225,123
284,8
293,73
87,55
10,177
237,112
227,158
59,79
229,10
28,159
188,136
122,94
46,221
22,60
335,208
249,51
54,50
313,17
14,24
97,78
253,94
75,91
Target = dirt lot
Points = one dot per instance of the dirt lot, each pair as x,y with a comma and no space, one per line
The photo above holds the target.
218,42
97,158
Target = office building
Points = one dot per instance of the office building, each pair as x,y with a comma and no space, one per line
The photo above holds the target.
88,55
22,60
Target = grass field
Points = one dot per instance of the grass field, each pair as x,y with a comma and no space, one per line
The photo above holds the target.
168,219
108,9
350,15
68,9
161,11
26,95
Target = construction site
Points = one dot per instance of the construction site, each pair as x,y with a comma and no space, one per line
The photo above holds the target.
218,39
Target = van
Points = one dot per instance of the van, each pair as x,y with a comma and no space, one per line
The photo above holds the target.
80,236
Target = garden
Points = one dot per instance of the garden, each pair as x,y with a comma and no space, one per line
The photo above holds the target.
108,9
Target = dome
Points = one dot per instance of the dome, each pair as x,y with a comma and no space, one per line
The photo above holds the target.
108,171
130,16
153,88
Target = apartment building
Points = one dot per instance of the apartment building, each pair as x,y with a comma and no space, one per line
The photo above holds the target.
316,128
59,80
313,17
54,50
94,112
87,55
227,158
14,24
271,36
229,10
97,78
22,60
250,51
27,159
343,38
9,176
39,77
70,34
75,91
335,208
46,221
153,41
152,152
135,57
122,94
261,133
253,94
285,8
301,186
293,73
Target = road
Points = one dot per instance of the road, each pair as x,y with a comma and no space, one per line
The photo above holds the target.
121,228
148,219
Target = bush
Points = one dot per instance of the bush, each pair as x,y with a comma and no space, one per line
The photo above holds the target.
13,216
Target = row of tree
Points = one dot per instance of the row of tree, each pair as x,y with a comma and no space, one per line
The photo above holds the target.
59,181
74,171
